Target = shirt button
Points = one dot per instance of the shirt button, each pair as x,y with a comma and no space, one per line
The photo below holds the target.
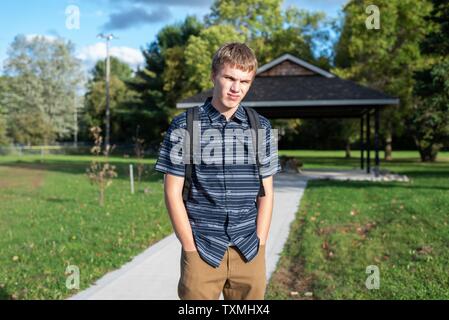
228,192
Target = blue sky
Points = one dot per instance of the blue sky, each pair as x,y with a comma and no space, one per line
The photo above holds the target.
135,22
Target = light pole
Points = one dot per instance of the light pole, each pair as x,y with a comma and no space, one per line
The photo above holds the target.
107,37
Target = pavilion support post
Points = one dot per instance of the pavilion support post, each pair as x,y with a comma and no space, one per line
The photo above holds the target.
376,140
368,142
362,143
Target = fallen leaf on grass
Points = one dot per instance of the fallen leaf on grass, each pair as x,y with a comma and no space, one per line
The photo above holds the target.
308,294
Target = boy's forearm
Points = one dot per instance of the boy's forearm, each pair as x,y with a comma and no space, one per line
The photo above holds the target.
265,209
178,216
180,222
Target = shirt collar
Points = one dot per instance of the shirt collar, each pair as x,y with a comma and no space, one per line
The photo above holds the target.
214,115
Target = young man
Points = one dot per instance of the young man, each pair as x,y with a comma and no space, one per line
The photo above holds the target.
223,225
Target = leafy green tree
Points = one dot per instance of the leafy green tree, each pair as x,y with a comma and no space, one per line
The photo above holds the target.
3,89
436,43
44,77
178,63
118,68
176,84
30,128
301,32
269,30
385,58
200,50
24,127
119,94
429,120
162,81
252,18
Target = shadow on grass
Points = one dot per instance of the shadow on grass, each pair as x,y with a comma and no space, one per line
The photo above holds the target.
434,174
80,167
354,163
325,183
59,200
4,295
408,166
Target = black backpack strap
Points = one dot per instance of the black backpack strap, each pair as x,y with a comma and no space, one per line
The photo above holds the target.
254,122
192,115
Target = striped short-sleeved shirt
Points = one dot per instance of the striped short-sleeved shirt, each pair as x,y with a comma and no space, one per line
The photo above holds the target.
222,208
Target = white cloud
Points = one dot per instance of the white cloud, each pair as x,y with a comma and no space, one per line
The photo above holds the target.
91,54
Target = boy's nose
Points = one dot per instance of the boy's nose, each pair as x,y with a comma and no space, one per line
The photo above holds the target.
235,87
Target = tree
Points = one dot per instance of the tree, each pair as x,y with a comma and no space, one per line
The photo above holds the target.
437,41
299,36
384,59
178,63
44,77
176,84
100,172
429,120
430,117
119,69
350,133
162,81
251,18
120,95
269,30
30,128
3,88
200,50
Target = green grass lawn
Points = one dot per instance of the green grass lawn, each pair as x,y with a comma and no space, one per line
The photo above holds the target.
50,219
341,228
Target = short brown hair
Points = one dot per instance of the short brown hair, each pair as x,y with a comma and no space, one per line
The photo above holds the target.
237,55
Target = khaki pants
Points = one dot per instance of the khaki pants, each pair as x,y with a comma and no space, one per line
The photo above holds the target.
236,278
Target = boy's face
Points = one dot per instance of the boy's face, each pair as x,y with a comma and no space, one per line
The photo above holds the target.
231,85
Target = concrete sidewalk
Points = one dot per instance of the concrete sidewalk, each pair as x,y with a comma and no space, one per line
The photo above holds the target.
154,274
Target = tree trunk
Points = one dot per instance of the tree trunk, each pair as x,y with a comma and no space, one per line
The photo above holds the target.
348,150
388,147
140,169
428,153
